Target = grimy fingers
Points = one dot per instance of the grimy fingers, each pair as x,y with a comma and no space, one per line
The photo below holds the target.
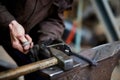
15,43
29,39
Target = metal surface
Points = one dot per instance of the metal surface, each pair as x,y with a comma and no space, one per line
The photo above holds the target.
5,60
92,62
61,59
109,55
64,61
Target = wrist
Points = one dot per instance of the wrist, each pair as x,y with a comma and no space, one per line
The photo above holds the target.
13,22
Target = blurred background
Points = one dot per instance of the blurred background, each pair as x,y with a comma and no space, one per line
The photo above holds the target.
91,23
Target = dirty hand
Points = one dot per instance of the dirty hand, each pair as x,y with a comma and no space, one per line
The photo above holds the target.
19,39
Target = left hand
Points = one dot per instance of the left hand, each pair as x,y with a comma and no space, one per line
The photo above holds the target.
18,37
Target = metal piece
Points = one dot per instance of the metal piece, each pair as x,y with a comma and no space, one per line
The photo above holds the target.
53,45
95,58
55,70
25,43
51,71
64,61
92,63
68,51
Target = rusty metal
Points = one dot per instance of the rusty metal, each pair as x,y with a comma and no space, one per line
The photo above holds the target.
109,55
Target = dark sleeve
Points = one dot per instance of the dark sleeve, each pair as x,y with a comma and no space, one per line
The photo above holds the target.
53,27
5,16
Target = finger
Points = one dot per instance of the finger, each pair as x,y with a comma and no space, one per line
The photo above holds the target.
26,47
12,38
31,45
17,45
10,27
20,31
23,41
28,38
15,42
20,48
22,38
12,32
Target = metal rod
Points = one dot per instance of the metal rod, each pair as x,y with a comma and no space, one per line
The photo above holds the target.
13,73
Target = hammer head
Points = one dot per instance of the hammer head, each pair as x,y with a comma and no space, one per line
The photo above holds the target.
64,61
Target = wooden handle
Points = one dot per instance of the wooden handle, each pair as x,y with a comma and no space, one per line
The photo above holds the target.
13,73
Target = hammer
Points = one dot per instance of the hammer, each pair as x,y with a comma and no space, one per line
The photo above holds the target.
59,58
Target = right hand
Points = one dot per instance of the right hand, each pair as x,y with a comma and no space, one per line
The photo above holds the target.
18,37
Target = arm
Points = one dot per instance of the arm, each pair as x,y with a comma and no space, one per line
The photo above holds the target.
5,16
53,27
18,37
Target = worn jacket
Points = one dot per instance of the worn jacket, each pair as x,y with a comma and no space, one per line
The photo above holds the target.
47,15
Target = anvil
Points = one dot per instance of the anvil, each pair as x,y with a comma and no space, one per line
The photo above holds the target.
107,59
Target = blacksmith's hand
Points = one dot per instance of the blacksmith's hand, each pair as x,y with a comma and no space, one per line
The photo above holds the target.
19,39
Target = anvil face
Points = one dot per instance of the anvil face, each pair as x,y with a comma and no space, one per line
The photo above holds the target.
108,59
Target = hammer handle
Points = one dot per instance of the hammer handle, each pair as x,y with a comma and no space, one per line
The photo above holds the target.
13,73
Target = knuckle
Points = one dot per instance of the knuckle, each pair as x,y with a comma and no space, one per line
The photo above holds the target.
29,38
19,36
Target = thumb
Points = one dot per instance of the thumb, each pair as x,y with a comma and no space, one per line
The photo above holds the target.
10,27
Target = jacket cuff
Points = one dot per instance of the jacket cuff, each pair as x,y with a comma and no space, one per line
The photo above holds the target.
5,19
